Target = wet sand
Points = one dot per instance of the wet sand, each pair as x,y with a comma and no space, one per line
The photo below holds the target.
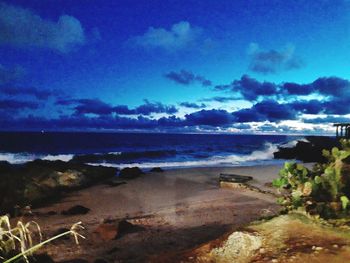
178,209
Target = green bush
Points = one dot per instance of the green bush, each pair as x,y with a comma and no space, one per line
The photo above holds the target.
324,190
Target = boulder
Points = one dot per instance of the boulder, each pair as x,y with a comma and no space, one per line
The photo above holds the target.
111,230
234,178
107,231
156,170
130,173
309,150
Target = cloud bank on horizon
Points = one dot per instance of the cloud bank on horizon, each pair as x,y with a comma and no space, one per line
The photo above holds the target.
61,69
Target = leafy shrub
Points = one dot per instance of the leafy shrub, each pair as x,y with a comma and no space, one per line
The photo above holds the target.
324,190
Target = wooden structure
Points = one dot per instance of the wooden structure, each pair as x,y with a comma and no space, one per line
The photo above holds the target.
343,130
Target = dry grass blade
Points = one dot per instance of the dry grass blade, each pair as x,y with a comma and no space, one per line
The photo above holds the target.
24,234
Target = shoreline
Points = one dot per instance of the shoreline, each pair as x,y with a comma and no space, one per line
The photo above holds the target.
177,209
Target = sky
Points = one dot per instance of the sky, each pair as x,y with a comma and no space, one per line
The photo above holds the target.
244,66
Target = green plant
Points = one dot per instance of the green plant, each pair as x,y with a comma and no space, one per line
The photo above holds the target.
324,190
21,238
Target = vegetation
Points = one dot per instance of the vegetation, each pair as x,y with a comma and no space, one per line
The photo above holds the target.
19,241
323,190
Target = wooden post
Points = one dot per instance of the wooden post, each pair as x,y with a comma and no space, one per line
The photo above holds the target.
337,131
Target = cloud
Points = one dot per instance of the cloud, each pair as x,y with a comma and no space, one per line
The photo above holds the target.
31,91
327,119
328,86
210,118
179,36
155,107
23,28
222,99
98,107
273,61
15,105
249,88
192,105
267,110
186,78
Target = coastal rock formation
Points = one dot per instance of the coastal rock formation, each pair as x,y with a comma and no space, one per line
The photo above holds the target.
38,182
130,173
292,236
309,150
156,170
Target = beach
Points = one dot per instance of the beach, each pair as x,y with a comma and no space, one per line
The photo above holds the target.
173,211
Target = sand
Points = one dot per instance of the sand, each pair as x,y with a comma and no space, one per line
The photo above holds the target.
179,210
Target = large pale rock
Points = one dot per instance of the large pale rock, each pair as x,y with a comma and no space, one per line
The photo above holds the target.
238,248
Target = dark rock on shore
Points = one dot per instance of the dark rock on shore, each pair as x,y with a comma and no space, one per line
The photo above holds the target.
130,173
39,182
76,210
309,150
156,170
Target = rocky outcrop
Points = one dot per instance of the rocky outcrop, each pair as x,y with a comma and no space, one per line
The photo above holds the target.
156,170
38,182
286,237
309,150
130,173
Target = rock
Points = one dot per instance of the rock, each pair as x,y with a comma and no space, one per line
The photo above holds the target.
112,230
309,150
114,182
125,227
239,247
40,182
231,185
234,178
130,173
70,178
156,170
76,210
107,231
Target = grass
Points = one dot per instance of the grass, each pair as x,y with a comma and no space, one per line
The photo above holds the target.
26,238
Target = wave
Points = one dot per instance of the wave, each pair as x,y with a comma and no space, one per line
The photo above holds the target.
18,158
123,156
259,156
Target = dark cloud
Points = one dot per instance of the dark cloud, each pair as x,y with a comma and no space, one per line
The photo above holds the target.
186,78
23,28
328,86
222,99
209,118
251,89
155,107
327,119
273,61
192,105
40,94
15,105
308,107
98,107
93,106
267,110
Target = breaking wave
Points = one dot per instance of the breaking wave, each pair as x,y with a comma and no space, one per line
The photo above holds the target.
263,156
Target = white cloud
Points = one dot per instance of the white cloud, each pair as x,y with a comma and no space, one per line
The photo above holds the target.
23,28
180,35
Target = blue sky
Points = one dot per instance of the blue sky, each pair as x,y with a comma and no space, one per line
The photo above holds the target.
177,66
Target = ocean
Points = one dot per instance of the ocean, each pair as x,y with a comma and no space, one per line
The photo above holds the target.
145,150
